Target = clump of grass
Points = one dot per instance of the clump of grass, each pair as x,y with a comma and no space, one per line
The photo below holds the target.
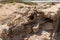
6,1
10,1
21,7
51,3
29,3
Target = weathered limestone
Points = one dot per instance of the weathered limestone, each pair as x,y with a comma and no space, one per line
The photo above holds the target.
50,14
4,31
36,28
48,26
45,35
28,21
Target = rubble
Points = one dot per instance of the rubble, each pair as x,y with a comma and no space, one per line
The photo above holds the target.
30,21
36,28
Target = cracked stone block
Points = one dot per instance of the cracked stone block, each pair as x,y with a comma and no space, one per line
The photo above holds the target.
48,26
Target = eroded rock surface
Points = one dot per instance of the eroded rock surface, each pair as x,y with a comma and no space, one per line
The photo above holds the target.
28,23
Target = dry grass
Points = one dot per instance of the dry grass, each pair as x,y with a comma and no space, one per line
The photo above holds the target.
18,1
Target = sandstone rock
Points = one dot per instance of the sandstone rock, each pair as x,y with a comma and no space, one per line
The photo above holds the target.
32,15
27,20
48,26
3,31
36,28
1,39
45,35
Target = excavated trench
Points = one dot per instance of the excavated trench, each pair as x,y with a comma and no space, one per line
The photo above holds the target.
32,25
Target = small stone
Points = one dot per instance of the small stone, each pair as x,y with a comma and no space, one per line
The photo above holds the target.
36,28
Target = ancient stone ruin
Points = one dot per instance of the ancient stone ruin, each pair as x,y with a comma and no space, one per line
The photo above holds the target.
30,23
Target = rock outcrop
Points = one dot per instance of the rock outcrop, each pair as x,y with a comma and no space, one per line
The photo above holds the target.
28,22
